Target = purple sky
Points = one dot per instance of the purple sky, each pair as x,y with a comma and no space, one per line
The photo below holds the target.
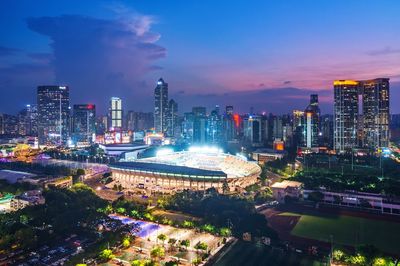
269,55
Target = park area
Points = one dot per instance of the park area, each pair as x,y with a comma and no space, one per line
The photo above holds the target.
148,237
251,254
352,230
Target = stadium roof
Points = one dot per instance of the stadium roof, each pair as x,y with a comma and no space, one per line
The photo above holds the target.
167,169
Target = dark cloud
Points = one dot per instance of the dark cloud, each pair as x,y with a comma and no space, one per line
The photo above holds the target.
287,82
385,51
6,51
274,100
100,58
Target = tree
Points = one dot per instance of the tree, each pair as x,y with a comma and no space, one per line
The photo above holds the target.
187,224
157,252
201,246
162,237
338,255
172,242
171,263
197,261
185,243
106,254
357,259
225,232
126,242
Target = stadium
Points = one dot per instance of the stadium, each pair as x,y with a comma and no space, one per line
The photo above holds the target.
195,169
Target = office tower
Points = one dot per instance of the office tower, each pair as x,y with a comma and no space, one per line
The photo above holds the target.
27,121
172,119
345,115
326,138
277,128
199,124
161,106
375,107
139,121
83,124
229,110
311,122
252,129
8,124
187,127
215,126
298,128
115,114
229,126
53,115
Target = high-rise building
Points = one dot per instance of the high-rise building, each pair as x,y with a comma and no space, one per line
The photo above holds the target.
139,121
252,129
84,124
8,124
187,127
345,115
53,115
116,113
312,122
214,128
375,106
370,129
199,124
172,119
27,121
229,126
161,106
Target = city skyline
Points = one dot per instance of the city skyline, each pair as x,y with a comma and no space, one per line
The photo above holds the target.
274,60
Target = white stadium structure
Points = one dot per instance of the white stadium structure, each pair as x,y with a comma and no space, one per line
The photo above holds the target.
196,169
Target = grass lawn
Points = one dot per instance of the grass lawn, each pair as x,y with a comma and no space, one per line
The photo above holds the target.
249,254
348,230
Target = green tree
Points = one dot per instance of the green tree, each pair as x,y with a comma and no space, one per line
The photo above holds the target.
157,252
225,232
162,237
185,243
338,255
106,255
126,242
201,246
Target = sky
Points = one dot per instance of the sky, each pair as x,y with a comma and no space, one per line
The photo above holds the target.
269,55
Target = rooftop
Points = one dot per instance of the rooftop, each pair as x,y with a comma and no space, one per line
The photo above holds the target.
285,184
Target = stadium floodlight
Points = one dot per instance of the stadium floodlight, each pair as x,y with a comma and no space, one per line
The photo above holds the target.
163,152
241,156
205,149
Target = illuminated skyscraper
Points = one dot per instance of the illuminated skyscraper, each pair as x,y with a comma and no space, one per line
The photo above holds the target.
172,119
161,106
375,95
345,115
115,113
311,122
53,115
84,123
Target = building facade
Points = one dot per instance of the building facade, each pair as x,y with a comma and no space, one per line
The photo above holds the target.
53,115
161,106
116,114
345,115
83,124
375,106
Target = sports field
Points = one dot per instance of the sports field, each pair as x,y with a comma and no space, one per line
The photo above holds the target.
250,254
348,230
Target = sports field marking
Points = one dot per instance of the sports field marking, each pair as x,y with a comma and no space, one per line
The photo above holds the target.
348,230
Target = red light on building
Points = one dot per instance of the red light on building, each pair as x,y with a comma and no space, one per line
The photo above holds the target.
279,145
236,119
90,106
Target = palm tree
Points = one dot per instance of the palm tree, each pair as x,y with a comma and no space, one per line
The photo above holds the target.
162,237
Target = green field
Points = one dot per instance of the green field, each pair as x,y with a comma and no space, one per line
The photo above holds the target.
348,230
250,254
